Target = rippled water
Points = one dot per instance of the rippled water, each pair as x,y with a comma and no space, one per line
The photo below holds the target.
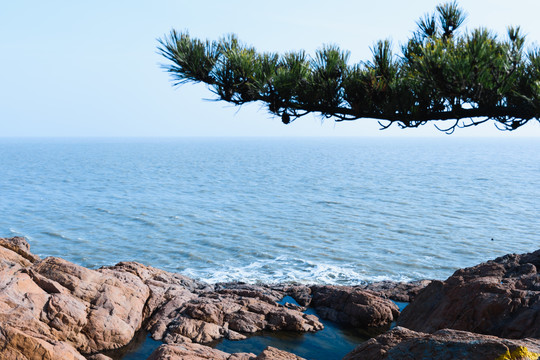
310,210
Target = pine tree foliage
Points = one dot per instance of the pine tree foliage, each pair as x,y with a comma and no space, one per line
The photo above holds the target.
467,78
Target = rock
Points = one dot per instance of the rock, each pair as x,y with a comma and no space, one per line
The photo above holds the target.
190,351
398,291
300,293
271,353
359,308
19,345
164,286
402,343
226,314
101,309
53,301
14,255
54,309
20,246
500,297
98,357
263,292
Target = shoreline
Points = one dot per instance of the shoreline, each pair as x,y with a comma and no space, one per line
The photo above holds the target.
66,311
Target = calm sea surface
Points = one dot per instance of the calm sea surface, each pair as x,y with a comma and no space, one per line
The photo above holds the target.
311,210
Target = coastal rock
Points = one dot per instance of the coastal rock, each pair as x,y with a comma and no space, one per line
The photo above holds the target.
19,246
263,292
164,286
359,308
98,357
398,291
402,343
20,345
101,309
53,301
271,353
54,309
226,313
190,351
300,293
500,297
14,256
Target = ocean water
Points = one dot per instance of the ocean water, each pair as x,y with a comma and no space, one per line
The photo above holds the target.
312,210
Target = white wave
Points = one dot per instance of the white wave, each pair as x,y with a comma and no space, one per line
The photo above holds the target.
283,269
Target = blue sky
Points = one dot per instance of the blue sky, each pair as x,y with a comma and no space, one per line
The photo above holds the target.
73,68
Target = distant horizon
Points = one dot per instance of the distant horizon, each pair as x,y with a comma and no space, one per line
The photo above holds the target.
356,136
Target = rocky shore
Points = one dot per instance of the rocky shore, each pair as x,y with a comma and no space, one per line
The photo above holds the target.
53,309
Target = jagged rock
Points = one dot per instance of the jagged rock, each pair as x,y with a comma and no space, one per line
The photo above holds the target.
14,256
402,343
98,357
263,292
53,301
164,286
54,309
500,297
19,246
226,314
271,353
359,308
398,291
103,308
20,345
300,293
190,351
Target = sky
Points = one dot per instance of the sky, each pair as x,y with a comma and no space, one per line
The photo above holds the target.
91,69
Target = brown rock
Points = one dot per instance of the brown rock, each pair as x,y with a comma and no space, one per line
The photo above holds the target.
262,292
163,285
21,304
98,357
402,343
54,309
271,353
398,291
210,316
362,309
102,309
190,351
300,293
18,345
53,301
14,255
67,315
242,356
499,297
20,246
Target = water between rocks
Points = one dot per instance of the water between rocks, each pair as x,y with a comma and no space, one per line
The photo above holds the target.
333,342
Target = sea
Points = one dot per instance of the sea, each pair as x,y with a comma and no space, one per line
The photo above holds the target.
308,210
